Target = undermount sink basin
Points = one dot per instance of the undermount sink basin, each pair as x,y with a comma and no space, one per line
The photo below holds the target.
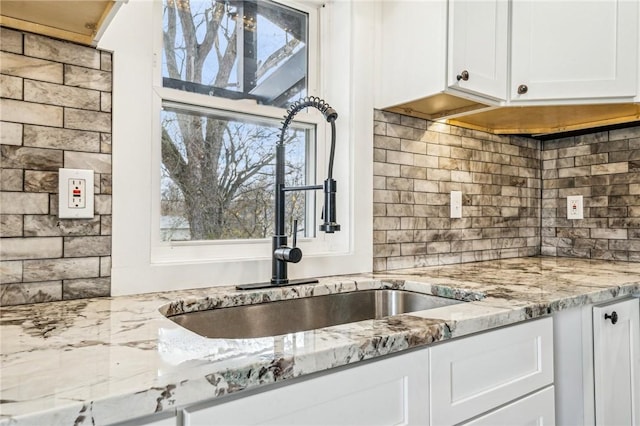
308,313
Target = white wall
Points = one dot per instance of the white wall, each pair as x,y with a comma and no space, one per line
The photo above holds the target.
347,44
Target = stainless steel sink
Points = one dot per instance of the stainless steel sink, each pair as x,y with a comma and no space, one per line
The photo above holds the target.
290,316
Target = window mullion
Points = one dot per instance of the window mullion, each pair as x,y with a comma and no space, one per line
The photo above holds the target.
249,52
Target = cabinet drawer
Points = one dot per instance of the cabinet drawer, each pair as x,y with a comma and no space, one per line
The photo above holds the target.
475,374
536,409
391,391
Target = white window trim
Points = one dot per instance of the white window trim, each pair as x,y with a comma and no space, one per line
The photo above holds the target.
347,81
224,250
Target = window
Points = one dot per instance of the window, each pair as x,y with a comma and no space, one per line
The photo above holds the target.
229,70
217,174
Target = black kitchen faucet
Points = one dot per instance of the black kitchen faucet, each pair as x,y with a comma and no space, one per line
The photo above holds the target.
281,253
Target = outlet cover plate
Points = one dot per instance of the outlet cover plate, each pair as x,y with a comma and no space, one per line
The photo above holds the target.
575,207
67,209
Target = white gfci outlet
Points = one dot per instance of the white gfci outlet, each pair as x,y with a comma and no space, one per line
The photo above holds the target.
75,194
575,207
456,204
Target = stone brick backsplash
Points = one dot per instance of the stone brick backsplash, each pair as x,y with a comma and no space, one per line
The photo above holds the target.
55,111
603,167
417,163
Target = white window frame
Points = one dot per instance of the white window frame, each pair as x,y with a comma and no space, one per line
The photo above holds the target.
224,250
347,59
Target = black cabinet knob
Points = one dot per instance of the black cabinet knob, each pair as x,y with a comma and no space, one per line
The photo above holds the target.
613,317
522,89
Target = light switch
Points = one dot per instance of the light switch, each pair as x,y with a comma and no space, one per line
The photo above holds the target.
574,207
456,204
75,194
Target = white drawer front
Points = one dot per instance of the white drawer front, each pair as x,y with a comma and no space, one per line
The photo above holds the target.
533,410
393,391
475,374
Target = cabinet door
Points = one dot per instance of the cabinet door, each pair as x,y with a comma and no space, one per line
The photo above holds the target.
536,409
473,375
412,51
616,359
574,49
478,34
391,391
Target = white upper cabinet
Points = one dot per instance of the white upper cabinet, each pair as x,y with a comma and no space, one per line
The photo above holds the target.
480,57
478,47
566,50
412,50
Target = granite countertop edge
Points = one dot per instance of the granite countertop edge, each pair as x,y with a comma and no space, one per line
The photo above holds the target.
143,363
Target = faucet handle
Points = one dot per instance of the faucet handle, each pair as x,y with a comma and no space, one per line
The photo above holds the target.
290,254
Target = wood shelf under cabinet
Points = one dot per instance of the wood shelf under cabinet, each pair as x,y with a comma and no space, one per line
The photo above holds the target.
76,21
531,120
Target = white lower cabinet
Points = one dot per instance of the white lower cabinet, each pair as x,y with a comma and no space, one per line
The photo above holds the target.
473,375
597,377
616,363
534,410
392,391
503,376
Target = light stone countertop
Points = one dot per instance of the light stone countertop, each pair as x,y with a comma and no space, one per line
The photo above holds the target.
105,360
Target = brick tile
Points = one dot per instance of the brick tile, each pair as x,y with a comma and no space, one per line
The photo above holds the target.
20,294
23,203
105,102
10,133
10,87
56,94
397,157
105,143
87,120
32,68
102,204
30,158
387,117
386,142
617,145
11,179
105,61
37,181
10,271
80,267
11,40
87,78
51,226
30,113
611,168
56,50
10,225
628,133
416,147
30,248
575,171
86,288
105,266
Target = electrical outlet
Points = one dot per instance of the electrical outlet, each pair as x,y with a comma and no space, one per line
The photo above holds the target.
75,194
456,204
574,207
